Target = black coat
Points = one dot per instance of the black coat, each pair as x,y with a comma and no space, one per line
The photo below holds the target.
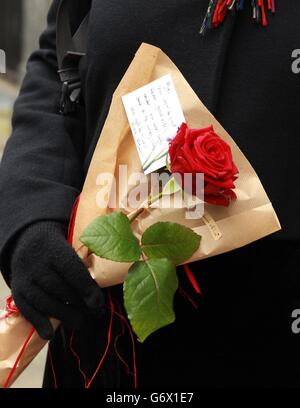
241,333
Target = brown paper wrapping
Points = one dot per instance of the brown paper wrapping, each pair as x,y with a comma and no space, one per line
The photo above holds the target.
249,218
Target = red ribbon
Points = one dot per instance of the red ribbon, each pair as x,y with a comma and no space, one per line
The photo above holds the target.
88,382
112,309
123,320
73,351
192,279
11,309
71,226
52,366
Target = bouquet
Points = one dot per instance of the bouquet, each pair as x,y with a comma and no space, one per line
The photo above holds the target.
121,227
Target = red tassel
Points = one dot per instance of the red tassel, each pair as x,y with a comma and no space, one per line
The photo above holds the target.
264,21
220,12
271,5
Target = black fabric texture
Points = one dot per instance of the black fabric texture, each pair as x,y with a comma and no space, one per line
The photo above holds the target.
49,279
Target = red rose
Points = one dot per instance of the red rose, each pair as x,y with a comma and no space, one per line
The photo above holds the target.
203,151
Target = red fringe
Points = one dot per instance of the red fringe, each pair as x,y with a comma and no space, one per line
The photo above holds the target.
264,21
222,8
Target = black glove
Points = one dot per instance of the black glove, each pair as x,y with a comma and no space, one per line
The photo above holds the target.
48,279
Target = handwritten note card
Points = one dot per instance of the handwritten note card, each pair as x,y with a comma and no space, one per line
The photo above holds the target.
154,115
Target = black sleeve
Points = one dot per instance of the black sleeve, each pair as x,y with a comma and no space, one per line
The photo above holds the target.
41,171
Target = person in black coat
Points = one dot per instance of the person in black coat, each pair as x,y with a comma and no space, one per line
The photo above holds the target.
241,333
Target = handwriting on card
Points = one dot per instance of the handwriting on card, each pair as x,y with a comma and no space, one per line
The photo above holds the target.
154,114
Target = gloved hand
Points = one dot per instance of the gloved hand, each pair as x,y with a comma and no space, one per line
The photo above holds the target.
48,279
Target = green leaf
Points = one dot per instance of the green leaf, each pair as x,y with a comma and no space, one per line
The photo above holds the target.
110,236
170,240
149,290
